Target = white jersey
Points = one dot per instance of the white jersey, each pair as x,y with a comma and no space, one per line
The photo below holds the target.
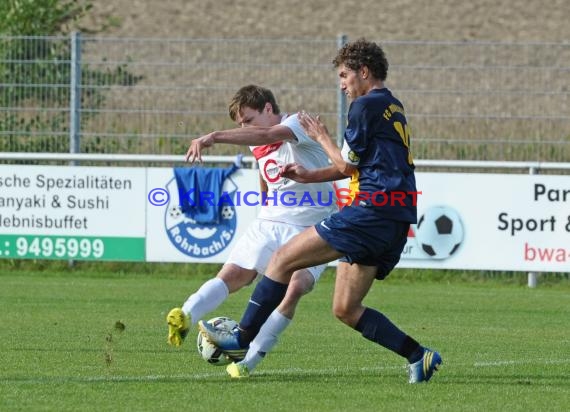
303,204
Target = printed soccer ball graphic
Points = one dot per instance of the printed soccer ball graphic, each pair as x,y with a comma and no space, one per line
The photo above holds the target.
439,232
210,352
227,212
175,212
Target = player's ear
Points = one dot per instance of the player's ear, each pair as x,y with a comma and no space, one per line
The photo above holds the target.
364,72
268,108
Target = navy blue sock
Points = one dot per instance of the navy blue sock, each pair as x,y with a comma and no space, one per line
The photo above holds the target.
266,296
378,328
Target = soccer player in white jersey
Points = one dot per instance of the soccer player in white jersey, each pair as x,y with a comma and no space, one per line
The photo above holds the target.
275,139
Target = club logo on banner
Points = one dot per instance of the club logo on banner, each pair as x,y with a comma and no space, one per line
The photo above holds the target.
438,234
200,240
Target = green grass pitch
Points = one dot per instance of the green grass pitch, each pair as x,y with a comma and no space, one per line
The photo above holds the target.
95,340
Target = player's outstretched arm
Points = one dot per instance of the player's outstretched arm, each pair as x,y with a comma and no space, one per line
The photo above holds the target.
251,135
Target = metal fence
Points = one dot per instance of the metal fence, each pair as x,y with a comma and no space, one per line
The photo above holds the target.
464,100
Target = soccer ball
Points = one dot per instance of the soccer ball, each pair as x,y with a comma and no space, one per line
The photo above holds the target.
175,212
439,232
210,352
227,212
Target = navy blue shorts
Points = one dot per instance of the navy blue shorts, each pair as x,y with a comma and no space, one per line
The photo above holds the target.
364,237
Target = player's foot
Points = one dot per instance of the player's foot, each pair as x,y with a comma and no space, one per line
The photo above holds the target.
237,370
422,370
226,340
178,326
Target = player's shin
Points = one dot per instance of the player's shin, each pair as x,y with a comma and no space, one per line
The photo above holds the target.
264,299
210,295
378,328
266,339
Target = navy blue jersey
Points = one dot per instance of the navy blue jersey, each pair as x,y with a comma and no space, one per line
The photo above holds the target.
377,142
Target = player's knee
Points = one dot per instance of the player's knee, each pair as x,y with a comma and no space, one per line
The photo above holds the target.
346,313
341,312
297,289
302,282
236,279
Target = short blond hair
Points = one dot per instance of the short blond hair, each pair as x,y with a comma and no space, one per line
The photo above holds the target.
254,97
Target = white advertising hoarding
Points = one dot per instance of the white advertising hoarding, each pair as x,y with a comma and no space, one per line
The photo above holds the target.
466,220
174,237
55,212
491,221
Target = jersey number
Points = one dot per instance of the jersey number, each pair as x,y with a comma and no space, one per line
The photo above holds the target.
404,132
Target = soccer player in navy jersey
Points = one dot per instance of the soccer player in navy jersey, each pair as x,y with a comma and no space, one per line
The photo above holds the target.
367,236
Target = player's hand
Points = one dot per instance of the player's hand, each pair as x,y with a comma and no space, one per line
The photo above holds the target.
313,126
296,172
195,150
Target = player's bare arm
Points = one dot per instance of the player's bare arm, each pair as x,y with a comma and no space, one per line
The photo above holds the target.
299,173
317,131
250,135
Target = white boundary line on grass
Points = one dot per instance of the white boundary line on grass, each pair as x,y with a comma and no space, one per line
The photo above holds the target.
271,372
199,376
521,362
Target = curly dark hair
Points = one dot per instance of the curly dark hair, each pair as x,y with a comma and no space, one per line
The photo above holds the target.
360,53
254,97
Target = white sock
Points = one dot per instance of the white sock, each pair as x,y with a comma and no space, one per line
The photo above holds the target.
210,295
266,339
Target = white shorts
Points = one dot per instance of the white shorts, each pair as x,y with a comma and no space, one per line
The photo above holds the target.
254,249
